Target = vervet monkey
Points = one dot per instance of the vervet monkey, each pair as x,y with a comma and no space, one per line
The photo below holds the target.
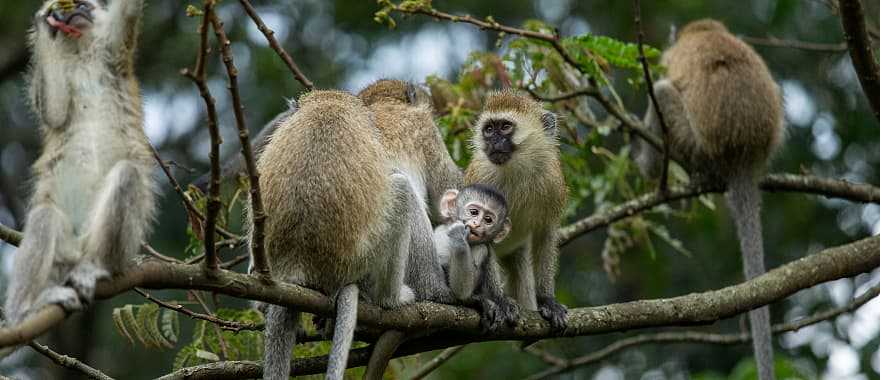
724,114
515,150
402,112
341,219
94,194
476,220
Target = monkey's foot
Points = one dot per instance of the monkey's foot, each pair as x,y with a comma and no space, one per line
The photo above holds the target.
490,314
553,311
83,279
62,296
509,310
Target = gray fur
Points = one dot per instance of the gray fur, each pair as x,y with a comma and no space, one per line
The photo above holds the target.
343,333
280,337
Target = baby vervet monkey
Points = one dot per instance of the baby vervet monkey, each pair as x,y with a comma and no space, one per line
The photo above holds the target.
94,200
724,114
475,219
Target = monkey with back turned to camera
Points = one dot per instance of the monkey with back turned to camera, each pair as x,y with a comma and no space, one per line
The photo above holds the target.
331,230
724,114
93,201
515,150
476,220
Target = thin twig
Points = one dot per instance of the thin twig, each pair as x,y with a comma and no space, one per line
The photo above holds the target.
270,37
187,202
69,362
10,236
490,24
258,214
795,44
436,362
649,82
153,252
222,323
852,16
702,337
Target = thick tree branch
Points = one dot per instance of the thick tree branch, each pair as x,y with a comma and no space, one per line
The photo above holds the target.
464,324
852,16
270,37
701,337
829,188
69,362
258,214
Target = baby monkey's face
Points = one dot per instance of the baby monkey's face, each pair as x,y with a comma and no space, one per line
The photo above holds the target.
484,222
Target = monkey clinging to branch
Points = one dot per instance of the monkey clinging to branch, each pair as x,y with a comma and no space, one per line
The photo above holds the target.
724,114
93,199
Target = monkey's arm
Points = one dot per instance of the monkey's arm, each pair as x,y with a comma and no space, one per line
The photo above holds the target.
545,254
124,24
462,265
496,306
648,158
49,88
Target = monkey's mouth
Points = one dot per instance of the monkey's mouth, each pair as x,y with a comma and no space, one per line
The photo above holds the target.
71,24
473,237
499,158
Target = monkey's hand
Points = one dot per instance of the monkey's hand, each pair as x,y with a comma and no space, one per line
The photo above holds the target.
83,279
457,233
490,314
553,311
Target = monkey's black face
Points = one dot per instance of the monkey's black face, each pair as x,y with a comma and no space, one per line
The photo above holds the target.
498,140
72,17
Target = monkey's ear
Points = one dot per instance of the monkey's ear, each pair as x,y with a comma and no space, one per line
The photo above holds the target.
548,121
447,204
505,229
411,93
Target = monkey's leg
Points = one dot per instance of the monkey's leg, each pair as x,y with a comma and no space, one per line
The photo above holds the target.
280,337
521,277
48,241
546,260
343,333
462,269
117,225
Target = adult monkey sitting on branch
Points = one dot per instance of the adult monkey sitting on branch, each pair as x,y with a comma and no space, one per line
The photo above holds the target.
724,115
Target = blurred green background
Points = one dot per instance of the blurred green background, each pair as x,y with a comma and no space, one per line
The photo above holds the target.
831,133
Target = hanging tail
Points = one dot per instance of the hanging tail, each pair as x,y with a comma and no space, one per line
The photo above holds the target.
744,201
280,337
343,333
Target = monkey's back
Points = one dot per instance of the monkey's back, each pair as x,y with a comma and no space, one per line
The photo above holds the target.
325,187
734,106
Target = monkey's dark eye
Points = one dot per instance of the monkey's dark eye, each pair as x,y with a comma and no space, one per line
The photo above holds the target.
506,128
488,130
488,219
82,6
473,212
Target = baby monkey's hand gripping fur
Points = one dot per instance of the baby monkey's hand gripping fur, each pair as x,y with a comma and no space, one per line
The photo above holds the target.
93,200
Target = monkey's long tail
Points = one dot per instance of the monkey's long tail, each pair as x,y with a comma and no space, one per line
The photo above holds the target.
280,337
383,350
343,333
744,199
